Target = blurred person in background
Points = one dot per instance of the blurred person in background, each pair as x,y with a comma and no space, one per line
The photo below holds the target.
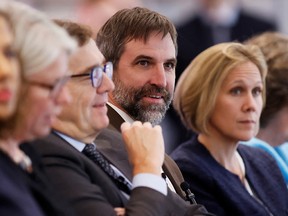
43,49
216,21
220,96
95,13
274,118
9,69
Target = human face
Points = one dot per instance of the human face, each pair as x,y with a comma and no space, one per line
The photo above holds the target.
238,105
145,77
9,71
39,105
86,115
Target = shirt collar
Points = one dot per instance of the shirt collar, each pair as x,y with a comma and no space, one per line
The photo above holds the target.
73,142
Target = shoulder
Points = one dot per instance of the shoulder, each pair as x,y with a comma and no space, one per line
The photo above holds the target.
194,159
189,151
252,153
255,159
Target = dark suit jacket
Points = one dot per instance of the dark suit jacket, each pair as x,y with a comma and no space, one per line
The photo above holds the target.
170,168
194,36
27,194
222,192
91,192
16,197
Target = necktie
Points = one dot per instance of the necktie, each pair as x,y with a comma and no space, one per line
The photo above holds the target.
91,152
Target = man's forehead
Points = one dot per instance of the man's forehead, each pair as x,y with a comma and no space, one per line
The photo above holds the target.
86,57
163,53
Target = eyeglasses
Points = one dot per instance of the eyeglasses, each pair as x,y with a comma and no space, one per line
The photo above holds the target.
96,74
55,88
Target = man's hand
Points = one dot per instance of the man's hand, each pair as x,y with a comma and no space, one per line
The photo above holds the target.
119,211
145,146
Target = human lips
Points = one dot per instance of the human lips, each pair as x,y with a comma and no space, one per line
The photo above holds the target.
248,121
100,105
154,97
5,95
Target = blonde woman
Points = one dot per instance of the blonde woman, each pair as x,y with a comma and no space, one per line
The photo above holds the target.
220,96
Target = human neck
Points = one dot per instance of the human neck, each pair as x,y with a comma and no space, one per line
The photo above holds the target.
71,130
224,152
10,146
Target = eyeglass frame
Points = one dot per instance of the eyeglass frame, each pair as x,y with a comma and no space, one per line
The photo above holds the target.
96,72
54,89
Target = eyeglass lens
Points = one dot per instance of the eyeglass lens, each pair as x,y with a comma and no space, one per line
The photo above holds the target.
97,74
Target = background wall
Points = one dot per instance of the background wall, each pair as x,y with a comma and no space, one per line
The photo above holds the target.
177,11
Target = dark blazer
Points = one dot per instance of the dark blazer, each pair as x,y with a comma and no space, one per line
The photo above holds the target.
23,193
194,36
222,192
16,197
91,192
170,168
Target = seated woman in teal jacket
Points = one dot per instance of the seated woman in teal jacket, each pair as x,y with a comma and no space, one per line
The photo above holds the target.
220,96
273,131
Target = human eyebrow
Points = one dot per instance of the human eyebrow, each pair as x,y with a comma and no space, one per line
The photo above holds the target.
172,60
142,57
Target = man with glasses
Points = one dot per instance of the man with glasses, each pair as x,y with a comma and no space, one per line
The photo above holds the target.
79,173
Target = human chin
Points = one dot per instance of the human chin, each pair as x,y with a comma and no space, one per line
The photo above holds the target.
38,130
6,111
101,122
151,113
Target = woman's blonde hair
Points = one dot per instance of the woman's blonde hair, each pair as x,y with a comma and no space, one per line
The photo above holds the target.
199,85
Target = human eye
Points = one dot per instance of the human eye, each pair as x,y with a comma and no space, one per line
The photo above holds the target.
169,66
236,91
143,63
257,91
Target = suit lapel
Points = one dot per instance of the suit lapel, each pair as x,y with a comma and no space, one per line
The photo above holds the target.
94,170
174,174
110,144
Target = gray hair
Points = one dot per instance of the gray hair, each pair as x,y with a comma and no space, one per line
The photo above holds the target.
38,40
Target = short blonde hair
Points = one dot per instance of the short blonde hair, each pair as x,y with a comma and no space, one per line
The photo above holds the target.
199,85
38,40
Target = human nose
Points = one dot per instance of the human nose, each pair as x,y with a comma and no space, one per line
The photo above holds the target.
64,96
107,85
250,104
158,76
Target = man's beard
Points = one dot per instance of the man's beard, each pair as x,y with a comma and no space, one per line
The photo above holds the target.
130,99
